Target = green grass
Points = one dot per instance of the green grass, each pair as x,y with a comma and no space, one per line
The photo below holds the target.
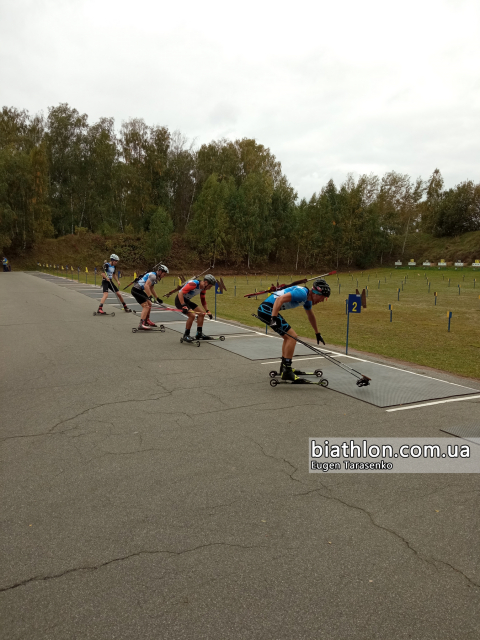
417,334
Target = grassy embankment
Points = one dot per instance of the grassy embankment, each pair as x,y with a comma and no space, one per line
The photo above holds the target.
418,332
87,249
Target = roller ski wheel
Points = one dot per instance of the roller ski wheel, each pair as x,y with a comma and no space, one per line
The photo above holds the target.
273,374
190,340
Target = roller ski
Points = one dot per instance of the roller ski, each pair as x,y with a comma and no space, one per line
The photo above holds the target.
320,383
276,374
289,376
148,326
186,339
203,336
101,312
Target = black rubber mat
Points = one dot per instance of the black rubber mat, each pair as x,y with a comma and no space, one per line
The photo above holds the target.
163,316
389,386
213,328
258,347
93,294
469,431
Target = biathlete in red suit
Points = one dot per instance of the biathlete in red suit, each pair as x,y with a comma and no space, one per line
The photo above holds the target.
183,301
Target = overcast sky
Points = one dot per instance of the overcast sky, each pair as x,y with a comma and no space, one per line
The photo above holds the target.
329,87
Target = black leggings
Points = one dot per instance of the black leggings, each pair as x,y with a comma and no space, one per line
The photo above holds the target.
139,295
265,314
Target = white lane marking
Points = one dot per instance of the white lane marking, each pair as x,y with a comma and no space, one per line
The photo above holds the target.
429,404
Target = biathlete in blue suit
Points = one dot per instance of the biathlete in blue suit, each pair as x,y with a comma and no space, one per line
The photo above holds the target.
291,298
144,293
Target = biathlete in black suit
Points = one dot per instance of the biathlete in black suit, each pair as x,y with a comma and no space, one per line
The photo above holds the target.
183,301
108,274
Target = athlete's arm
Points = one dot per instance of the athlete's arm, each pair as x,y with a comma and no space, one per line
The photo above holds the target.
148,289
203,300
279,301
312,319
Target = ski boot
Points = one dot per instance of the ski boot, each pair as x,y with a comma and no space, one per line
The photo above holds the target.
202,336
126,309
187,338
143,326
290,376
150,323
283,367
101,312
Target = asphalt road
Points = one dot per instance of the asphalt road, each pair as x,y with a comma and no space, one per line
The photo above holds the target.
153,490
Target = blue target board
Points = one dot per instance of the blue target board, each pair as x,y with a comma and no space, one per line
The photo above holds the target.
354,303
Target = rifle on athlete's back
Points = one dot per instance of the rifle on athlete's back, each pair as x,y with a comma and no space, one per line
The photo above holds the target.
279,287
143,274
166,295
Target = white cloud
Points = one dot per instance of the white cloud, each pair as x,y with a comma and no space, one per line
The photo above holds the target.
329,87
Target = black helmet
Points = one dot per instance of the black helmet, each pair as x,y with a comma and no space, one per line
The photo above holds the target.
210,279
321,288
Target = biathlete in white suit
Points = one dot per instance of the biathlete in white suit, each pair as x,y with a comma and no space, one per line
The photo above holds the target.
144,293
290,298
183,301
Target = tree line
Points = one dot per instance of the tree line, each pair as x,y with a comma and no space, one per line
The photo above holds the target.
228,200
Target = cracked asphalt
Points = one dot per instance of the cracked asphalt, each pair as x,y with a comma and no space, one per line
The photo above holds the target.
155,490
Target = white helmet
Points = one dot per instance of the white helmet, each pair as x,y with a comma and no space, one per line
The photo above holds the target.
162,267
114,257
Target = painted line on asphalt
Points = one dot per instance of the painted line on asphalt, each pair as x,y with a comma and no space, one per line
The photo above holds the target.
429,404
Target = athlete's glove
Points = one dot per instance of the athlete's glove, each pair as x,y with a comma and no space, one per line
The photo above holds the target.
185,309
319,338
275,322
210,315
159,301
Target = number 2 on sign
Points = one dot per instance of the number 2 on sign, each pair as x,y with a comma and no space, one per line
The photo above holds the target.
354,307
